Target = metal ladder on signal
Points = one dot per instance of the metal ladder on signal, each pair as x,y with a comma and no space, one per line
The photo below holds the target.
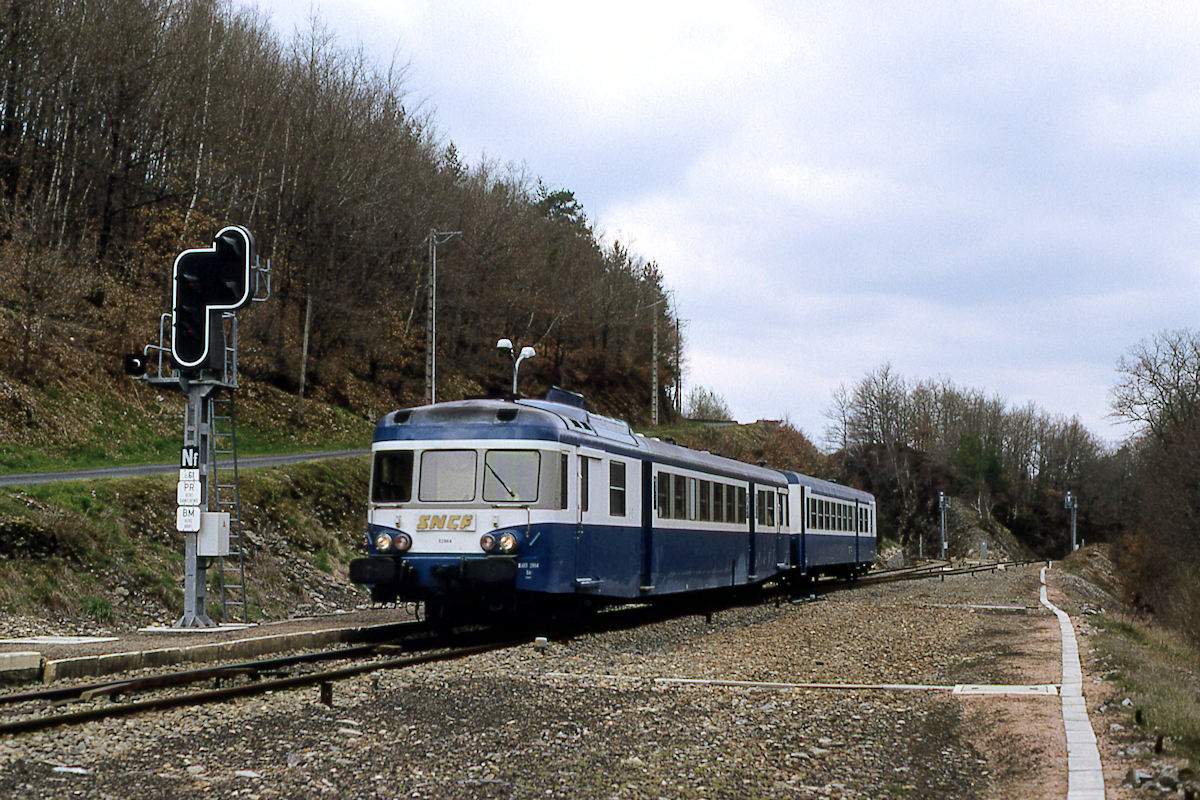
232,571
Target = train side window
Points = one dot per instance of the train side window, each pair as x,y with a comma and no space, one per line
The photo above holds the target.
678,497
704,513
741,505
760,507
812,513
691,497
564,478
391,478
583,483
731,504
783,509
664,495
616,488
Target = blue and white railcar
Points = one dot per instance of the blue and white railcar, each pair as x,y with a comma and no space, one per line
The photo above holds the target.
497,501
834,527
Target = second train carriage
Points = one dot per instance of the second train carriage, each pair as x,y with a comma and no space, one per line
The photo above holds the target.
499,501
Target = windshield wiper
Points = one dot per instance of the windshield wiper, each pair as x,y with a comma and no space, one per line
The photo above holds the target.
496,475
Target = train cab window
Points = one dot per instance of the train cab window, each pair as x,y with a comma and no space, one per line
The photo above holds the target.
564,477
447,476
616,488
511,476
391,476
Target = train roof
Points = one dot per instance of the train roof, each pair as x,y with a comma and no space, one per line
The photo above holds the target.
828,488
547,420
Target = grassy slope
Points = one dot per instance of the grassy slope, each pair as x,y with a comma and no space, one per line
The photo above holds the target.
1155,668
106,420
107,551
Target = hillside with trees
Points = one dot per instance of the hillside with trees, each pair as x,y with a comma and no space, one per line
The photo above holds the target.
907,440
133,129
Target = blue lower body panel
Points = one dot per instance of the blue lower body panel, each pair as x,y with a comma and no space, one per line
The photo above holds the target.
823,551
607,562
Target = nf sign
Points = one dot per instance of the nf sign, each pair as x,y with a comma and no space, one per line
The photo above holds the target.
190,458
205,282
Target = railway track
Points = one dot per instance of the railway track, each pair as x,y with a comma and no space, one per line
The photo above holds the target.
364,659
420,645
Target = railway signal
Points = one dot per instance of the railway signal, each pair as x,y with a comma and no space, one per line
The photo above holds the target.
207,286
1071,503
205,282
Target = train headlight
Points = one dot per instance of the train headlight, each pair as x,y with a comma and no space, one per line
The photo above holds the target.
507,543
487,542
402,542
383,542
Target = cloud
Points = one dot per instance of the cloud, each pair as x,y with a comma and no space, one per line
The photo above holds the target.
1002,193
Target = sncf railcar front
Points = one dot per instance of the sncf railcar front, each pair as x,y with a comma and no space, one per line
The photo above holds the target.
462,495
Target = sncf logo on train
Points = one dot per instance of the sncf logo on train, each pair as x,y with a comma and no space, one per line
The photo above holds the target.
446,522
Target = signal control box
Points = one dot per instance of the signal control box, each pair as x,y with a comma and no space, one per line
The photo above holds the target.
213,539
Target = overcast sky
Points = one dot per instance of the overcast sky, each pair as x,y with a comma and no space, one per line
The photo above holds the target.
1004,194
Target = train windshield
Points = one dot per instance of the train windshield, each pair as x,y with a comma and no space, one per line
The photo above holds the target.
391,476
511,476
448,475
465,476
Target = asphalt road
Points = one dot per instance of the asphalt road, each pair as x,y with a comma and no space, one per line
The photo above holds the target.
247,462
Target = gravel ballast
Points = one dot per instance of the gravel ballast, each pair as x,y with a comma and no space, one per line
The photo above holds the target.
585,718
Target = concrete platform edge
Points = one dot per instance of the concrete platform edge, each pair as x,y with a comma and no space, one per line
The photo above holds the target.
20,667
249,647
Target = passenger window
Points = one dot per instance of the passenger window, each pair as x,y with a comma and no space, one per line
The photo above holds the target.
616,489
664,495
678,497
705,488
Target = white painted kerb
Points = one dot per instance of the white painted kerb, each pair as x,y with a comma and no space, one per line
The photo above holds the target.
1085,776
